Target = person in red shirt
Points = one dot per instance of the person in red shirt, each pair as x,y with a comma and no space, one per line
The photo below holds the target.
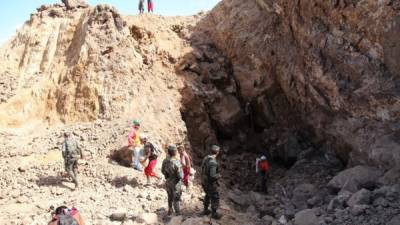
151,154
150,5
262,168
186,162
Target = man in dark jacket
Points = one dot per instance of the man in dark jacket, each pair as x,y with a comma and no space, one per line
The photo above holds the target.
209,180
172,170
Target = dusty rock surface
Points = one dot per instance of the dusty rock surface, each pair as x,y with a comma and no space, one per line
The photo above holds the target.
314,87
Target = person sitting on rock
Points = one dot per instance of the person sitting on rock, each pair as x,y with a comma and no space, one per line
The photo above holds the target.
186,162
262,168
151,154
172,170
71,153
65,216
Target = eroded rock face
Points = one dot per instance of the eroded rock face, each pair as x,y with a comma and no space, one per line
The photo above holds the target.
335,63
70,4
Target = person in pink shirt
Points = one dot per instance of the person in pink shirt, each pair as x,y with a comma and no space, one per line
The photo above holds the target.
186,162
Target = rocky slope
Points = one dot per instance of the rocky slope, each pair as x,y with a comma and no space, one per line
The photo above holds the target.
312,84
328,67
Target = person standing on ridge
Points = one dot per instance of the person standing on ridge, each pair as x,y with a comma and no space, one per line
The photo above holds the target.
172,170
186,162
71,153
141,6
210,175
150,6
262,168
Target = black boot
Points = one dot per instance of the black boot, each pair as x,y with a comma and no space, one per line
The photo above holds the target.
206,212
216,215
170,211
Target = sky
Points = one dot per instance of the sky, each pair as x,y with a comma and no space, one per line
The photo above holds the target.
14,13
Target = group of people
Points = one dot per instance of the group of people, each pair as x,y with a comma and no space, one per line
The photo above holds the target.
176,168
145,154
150,6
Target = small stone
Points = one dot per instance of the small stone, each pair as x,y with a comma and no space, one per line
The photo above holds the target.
118,216
362,197
147,218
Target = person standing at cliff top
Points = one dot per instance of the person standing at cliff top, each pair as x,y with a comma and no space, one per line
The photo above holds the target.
141,6
150,5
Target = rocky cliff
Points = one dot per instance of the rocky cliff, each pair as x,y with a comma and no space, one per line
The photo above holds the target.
328,67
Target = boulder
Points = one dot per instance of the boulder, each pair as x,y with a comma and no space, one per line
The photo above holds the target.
362,197
195,221
355,178
238,198
147,218
176,220
395,220
391,177
226,112
357,210
301,194
268,220
306,217
118,216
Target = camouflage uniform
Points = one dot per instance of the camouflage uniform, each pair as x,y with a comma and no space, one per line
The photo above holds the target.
71,153
209,180
172,170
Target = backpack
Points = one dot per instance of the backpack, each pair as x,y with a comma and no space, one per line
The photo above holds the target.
66,220
263,166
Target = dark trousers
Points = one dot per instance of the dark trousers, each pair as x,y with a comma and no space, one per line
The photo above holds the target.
263,179
70,166
174,193
212,196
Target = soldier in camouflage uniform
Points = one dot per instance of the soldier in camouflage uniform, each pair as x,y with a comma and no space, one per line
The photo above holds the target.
172,170
71,153
209,180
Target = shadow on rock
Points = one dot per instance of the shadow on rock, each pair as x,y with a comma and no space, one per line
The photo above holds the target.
53,181
123,181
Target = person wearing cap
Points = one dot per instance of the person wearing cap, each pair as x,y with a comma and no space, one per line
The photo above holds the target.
71,152
172,171
186,162
262,168
134,136
210,175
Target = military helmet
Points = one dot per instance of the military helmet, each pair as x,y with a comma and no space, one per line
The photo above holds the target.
215,149
171,150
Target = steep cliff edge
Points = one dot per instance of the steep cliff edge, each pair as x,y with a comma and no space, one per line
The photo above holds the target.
330,67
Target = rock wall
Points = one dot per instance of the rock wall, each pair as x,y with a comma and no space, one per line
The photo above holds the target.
79,64
327,66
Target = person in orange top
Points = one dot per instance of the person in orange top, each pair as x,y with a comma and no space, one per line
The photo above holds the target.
186,162
262,168
134,137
